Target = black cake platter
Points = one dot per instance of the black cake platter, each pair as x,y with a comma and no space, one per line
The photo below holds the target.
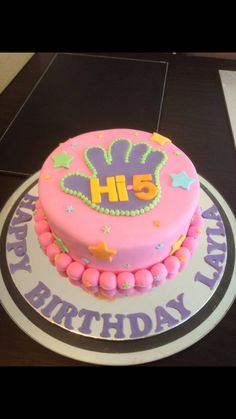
116,331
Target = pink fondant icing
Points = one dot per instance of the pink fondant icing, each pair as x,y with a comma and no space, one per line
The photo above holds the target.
134,238
197,220
45,239
37,204
198,211
140,248
184,255
125,280
52,251
159,273
90,277
62,261
172,264
107,281
39,215
143,278
75,271
42,226
194,231
191,244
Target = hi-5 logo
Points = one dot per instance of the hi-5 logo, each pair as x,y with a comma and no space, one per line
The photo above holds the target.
124,180
117,190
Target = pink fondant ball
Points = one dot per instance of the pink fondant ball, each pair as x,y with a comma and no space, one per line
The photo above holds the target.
194,232
39,215
37,204
90,277
75,271
172,265
198,211
159,273
45,239
143,278
125,280
41,227
197,221
62,262
191,244
184,255
52,251
107,281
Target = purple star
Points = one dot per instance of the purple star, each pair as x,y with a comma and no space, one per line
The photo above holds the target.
159,246
70,208
127,265
74,144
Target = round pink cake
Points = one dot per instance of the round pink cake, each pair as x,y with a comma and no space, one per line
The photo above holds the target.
118,209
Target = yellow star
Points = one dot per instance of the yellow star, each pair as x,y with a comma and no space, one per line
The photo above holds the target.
177,245
56,257
157,223
47,177
101,251
177,153
159,139
182,258
198,230
100,135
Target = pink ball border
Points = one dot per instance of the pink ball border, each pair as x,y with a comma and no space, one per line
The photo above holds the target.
126,282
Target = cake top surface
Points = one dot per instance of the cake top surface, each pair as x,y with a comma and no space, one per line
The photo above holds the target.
119,185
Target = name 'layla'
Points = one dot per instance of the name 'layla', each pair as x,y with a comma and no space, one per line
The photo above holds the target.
217,259
18,229
134,325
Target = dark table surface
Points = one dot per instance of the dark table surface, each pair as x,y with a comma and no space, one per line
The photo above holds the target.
194,115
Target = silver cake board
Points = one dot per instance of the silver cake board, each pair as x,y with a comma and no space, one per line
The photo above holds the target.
117,331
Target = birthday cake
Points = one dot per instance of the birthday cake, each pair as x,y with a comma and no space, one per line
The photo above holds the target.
118,210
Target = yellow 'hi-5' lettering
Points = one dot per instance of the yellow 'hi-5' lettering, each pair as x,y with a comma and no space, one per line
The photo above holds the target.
116,188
